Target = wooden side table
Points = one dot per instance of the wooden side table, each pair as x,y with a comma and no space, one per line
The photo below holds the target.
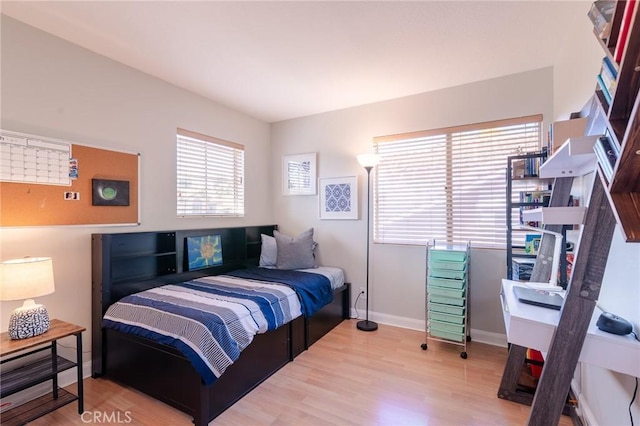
39,371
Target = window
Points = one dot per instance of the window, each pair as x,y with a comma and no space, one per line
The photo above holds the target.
448,184
210,176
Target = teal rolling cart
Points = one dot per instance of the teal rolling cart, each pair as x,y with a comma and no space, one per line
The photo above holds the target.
447,296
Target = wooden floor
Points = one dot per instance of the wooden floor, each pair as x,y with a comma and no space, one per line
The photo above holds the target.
349,377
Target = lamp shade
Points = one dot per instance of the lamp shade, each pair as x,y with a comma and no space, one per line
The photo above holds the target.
26,278
368,160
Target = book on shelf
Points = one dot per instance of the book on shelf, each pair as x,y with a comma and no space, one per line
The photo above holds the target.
606,155
612,142
537,198
609,76
600,14
532,243
611,68
603,89
625,26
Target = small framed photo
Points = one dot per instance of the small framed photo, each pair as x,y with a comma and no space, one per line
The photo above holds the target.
110,192
299,174
339,198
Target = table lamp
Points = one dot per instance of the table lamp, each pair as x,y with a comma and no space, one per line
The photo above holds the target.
24,279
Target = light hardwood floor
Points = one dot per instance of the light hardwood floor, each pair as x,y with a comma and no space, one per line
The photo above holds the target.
349,377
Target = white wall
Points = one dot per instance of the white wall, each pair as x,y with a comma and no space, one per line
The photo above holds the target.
55,89
397,278
52,88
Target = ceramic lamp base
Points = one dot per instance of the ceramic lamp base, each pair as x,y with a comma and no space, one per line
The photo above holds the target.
28,321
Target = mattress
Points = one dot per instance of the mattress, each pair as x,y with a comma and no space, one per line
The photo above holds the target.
335,275
210,320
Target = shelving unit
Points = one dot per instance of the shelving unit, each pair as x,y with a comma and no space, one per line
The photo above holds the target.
518,183
612,202
555,215
447,316
623,124
575,157
39,370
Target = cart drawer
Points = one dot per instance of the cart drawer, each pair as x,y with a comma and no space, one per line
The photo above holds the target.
447,283
447,273
446,292
455,301
446,326
438,316
446,309
446,334
452,265
448,255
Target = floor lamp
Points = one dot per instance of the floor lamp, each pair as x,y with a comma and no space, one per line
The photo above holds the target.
368,161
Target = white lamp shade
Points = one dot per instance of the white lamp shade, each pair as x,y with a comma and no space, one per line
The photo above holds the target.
368,160
26,278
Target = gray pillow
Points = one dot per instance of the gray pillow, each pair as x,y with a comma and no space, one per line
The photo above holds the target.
295,253
269,251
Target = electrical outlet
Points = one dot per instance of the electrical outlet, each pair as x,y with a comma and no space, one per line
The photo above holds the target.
363,292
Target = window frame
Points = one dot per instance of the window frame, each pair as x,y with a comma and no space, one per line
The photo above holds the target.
532,135
233,178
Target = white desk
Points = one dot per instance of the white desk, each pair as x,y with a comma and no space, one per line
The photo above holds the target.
533,327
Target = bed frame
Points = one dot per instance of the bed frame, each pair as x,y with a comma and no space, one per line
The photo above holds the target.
127,263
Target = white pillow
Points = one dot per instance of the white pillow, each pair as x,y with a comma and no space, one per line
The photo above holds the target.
269,251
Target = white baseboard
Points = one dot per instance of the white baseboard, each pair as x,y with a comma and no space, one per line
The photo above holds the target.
582,409
481,336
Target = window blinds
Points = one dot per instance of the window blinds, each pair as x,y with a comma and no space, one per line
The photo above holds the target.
448,184
210,176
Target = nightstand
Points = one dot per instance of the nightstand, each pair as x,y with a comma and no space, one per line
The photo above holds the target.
39,370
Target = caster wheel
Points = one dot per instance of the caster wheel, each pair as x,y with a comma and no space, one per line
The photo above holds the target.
424,346
463,355
468,338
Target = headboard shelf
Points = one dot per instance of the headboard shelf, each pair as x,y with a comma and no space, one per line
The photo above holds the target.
139,260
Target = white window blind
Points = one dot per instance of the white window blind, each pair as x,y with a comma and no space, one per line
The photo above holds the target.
210,176
448,184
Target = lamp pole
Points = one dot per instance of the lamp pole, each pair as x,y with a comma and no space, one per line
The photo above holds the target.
367,325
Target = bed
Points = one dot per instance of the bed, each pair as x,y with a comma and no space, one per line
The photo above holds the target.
157,262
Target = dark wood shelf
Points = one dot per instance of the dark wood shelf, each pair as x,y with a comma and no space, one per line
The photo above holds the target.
622,118
40,370
36,408
118,258
31,374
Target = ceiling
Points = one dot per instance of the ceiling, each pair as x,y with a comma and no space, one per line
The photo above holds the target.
281,60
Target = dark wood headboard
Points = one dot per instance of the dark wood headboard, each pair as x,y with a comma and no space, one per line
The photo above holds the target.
127,263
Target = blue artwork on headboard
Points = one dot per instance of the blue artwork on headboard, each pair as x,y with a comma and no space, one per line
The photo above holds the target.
204,251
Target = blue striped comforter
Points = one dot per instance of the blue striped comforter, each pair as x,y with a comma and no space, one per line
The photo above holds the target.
210,320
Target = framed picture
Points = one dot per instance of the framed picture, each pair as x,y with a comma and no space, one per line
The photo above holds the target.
204,251
299,174
339,198
110,192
